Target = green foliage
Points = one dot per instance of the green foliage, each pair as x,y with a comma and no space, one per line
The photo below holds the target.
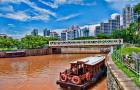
27,42
8,42
98,36
129,35
30,41
129,73
137,8
103,36
85,38
128,50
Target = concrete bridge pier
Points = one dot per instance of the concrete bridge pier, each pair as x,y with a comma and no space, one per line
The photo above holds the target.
111,49
54,50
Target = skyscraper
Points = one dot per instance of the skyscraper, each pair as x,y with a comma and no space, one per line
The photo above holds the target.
128,15
46,32
98,30
105,28
64,35
74,32
108,27
34,32
54,34
85,32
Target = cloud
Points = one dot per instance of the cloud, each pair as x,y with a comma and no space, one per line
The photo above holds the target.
76,2
121,18
91,28
68,1
40,10
114,15
11,25
8,8
120,4
117,0
52,5
57,3
9,12
21,16
40,17
40,13
68,17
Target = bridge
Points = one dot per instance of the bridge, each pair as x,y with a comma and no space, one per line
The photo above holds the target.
95,42
99,45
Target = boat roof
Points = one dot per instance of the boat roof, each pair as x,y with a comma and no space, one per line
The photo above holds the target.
90,60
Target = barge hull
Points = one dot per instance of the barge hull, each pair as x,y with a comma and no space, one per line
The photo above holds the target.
71,86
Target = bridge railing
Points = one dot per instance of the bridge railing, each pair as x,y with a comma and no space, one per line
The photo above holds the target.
87,42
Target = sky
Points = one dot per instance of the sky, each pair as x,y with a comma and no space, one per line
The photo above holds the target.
20,17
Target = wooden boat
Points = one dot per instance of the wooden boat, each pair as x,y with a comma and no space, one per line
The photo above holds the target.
83,73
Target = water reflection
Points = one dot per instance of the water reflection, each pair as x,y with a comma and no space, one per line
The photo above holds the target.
37,73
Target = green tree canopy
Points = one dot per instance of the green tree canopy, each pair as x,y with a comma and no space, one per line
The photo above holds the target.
137,8
30,41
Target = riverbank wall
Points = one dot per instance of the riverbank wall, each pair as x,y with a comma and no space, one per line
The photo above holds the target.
117,80
46,51
22,53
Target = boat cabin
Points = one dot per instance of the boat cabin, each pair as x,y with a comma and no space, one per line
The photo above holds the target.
89,64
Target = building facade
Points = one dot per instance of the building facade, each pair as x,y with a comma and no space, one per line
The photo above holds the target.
34,32
109,27
129,16
64,35
128,13
74,32
84,32
54,34
46,32
98,30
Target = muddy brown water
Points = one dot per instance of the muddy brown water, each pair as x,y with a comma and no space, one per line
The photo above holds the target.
38,72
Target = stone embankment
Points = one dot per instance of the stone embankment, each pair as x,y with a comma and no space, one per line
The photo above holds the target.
117,80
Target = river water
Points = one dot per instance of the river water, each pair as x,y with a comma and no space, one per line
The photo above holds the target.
38,72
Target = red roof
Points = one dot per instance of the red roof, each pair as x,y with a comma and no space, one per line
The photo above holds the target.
74,27
65,31
54,32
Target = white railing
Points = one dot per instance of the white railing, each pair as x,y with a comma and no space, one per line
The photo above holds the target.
87,42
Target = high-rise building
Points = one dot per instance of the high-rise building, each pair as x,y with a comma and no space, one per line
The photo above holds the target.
136,16
98,30
84,32
34,32
105,28
54,34
64,35
128,13
109,27
74,32
129,16
46,32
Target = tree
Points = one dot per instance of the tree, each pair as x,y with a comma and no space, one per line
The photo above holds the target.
103,36
137,8
84,38
32,42
8,42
